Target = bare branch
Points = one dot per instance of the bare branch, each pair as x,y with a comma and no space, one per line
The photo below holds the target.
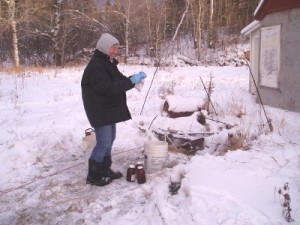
182,18
89,18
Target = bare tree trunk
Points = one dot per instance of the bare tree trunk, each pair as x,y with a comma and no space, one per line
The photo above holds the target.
15,43
156,26
127,18
199,31
182,18
124,9
157,36
211,25
149,25
55,38
12,20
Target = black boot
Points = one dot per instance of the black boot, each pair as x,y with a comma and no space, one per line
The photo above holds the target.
96,174
108,171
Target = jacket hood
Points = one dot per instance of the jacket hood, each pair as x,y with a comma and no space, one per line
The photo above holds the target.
101,55
105,42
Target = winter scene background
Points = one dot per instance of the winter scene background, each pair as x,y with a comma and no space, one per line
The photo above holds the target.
235,179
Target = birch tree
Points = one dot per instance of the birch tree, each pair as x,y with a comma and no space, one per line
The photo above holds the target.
55,32
157,26
198,22
59,30
182,18
126,14
211,25
35,31
11,11
121,11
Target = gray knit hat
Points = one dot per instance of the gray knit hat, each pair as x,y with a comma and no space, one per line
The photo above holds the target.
105,42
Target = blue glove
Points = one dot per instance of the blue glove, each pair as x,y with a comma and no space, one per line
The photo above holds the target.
136,78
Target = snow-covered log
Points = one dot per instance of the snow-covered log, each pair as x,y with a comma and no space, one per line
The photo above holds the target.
188,61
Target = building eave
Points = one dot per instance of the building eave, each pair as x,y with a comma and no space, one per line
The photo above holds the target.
258,8
266,7
251,27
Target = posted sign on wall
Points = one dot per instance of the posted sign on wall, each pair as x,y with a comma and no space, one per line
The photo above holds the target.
270,56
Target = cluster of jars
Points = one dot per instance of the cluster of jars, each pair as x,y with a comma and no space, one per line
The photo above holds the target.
136,172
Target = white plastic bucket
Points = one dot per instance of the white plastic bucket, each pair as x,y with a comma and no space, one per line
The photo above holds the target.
155,155
88,144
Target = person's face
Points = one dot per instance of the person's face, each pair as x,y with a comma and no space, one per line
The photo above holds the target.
113,51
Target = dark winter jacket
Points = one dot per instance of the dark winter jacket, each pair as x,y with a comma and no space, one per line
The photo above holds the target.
104,91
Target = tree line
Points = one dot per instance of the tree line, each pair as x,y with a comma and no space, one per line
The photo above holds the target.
55,32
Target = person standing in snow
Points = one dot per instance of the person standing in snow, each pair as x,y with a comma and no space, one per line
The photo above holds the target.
104,89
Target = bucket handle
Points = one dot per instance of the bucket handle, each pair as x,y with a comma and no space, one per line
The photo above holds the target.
89,131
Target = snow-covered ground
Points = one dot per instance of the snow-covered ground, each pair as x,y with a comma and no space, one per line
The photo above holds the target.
43,171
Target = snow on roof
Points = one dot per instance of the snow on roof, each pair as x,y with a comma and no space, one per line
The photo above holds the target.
258,7
255,24
251,27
